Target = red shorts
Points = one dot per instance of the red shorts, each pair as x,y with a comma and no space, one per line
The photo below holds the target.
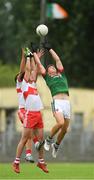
33,120
21,114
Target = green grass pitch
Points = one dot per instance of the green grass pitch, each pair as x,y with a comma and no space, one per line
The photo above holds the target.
56,171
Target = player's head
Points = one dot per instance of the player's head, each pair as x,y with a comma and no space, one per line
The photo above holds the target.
19,76
51,69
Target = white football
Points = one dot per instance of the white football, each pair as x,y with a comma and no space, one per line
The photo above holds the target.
42,30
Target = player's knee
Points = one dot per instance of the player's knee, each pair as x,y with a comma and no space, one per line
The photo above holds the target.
23,140
61,124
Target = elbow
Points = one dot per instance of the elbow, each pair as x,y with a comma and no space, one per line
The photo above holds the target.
43,72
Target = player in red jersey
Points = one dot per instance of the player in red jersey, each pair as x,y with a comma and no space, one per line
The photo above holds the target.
33,117
21,102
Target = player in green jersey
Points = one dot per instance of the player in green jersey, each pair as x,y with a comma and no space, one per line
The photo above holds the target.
57,82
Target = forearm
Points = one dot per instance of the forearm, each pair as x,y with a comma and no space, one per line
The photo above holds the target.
27,69
22,64
54,55
33,65
56,59
36,58
39,65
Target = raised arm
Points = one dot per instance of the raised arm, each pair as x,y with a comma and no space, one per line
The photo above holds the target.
22,64
54,55
56,59
27,69
25,53
40,67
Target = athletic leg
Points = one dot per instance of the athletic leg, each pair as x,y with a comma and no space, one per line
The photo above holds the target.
27,133
29,156
60,136
60,121
41,163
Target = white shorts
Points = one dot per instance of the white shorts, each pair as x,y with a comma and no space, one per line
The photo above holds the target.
63,106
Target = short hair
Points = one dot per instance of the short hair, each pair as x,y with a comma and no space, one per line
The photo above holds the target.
49,66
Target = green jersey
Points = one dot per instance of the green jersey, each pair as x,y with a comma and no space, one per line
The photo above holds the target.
57,84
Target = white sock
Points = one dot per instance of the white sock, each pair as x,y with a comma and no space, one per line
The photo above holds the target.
41,161
29,154
17,160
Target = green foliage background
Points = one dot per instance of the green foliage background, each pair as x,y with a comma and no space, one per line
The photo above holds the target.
7,75
72,38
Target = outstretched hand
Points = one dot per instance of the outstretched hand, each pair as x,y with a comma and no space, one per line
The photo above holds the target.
40,53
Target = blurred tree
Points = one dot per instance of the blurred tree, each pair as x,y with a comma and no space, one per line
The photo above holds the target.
5,30
17,21
72,38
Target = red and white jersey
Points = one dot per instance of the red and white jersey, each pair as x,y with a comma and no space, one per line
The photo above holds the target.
21,100
32,99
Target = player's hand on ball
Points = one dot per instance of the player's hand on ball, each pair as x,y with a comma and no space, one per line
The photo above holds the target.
34,47
47,45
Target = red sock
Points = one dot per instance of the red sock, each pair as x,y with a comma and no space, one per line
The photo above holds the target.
35,139
28,151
